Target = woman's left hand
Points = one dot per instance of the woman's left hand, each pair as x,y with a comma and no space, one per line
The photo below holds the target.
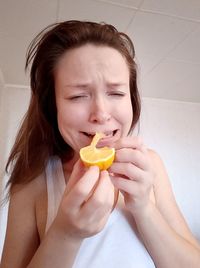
132,173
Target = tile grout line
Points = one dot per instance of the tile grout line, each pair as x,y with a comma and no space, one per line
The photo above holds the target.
168,53
57,10
134,15
150,11
17,86
170,15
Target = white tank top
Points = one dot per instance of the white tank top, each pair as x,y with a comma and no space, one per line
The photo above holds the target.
116,246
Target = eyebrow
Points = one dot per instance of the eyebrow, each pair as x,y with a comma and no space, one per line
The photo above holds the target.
77,85
116,84
85,85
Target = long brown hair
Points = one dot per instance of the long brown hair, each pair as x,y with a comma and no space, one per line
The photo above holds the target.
39,137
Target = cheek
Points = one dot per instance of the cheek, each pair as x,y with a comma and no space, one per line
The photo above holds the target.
61,124
66,126
127,113
126,118
69,118
65,121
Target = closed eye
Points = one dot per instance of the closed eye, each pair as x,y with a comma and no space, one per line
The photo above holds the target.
116,93
76,97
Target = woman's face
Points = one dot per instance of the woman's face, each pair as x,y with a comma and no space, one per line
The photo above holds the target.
92,95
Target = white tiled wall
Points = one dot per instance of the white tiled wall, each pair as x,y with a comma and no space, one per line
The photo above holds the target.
172,128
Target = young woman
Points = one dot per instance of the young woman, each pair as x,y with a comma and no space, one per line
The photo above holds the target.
61,214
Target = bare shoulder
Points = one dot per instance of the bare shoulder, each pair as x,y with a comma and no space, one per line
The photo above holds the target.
155,158
31,190
162,186
22,236
165,199
160,172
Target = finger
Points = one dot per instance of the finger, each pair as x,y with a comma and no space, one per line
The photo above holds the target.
127,170
102,199
134,156
133,142
126,186
77,173
82,189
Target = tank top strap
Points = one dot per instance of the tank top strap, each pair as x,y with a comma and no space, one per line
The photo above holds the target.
55,187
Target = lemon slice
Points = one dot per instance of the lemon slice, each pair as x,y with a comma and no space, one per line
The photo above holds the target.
101,157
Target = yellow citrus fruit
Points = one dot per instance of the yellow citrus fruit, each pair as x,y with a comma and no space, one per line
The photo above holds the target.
101,157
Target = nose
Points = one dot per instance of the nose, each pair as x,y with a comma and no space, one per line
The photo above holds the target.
99,111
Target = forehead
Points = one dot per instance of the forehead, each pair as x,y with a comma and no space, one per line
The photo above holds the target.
89,58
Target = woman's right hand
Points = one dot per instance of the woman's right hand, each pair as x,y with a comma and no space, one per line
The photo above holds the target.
86,203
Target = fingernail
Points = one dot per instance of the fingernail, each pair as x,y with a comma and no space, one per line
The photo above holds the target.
104,172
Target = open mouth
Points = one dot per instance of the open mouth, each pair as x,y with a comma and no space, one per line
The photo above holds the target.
108,134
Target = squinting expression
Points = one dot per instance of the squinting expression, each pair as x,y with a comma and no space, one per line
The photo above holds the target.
92,95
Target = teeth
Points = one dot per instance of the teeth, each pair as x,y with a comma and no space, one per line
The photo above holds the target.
107,134
88,134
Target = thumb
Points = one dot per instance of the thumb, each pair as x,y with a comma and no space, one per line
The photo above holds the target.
77,173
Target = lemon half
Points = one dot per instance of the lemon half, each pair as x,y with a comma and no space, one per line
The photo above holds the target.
101,157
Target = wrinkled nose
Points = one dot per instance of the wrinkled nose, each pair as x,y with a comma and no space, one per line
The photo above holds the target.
99,112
